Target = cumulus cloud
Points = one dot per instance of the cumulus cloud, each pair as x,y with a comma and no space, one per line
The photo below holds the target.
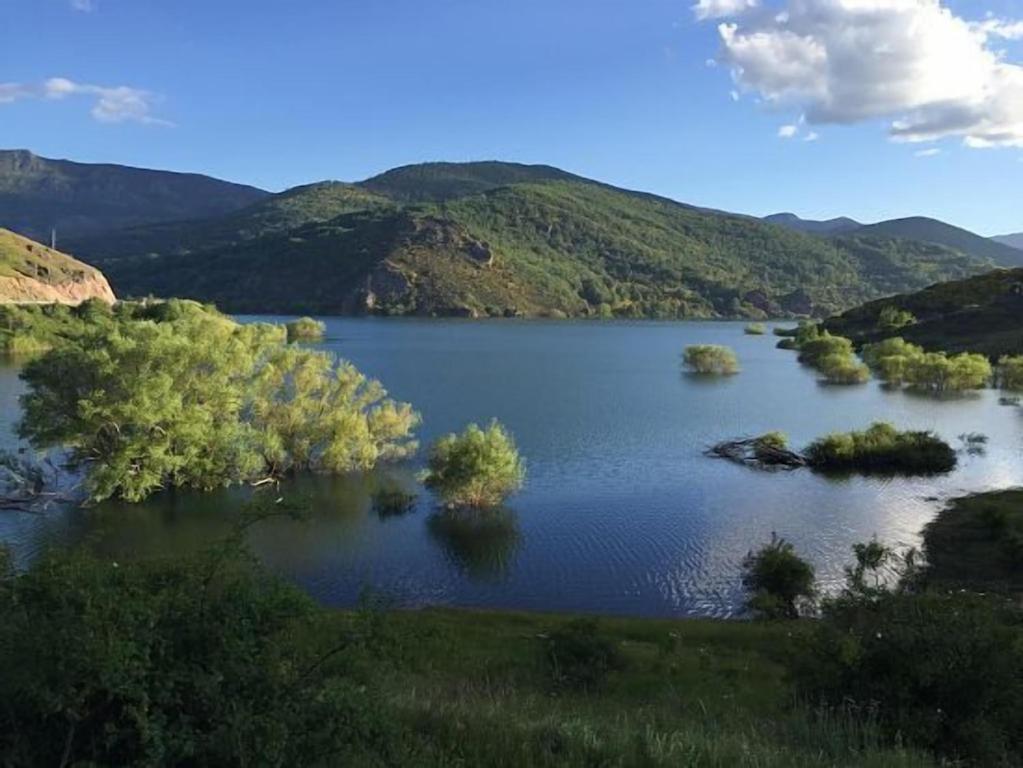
913,63
720,9
788,131
110,104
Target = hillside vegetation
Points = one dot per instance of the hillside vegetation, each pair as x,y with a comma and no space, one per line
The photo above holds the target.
37,194
501,239
933,231
982,314
31,272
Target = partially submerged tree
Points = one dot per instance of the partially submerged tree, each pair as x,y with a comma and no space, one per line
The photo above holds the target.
779,583
478,468
203,402
305,329
711,359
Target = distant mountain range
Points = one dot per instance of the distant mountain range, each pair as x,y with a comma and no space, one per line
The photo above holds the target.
1015,241
827,227
1004,251
38,194
475,239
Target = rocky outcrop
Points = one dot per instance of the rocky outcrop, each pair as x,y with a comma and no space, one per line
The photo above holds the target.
31,273
386,286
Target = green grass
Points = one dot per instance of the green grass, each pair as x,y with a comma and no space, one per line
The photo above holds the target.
471,688
976,543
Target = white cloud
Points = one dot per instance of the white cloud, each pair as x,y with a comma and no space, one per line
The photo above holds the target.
913,63
110,104
927,152
788,131
720,9
85,6
811,136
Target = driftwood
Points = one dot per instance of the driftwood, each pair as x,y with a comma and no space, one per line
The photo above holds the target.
30,486
758,453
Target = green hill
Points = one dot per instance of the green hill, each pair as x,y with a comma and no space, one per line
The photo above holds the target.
979,314
32,273
278,213
553,244
934,231
37,194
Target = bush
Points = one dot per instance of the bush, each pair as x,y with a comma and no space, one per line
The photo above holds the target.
579,657
478,468
891,318
1010,372
898,362
941,671
813,350
755,329
305,329
199,662
882,448
843,369
202,402
778,581
711,359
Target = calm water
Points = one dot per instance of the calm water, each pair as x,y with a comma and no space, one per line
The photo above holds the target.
621,513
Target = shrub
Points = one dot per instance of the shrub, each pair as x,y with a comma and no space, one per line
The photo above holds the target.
1010,372
755,329
579,657
478,468
711,359
898,362
891,318
843,369
393,501
882,448
205,661
203,402
813,350
778,581
770,441
941,671
305,329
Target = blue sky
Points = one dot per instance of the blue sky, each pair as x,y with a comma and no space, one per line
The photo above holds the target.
278,93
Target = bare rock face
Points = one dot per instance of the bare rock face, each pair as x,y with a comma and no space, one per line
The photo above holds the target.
432,232
758,299
798,303
386,285
31,273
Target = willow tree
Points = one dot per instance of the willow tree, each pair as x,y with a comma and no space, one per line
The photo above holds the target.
478,468
710,359
202,402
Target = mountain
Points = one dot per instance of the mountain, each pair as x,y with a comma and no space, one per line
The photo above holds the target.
31,273
934,231
983,314
841,225
507,239
38,194
1013,241
277,213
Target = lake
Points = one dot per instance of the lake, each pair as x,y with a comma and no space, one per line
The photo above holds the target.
622,513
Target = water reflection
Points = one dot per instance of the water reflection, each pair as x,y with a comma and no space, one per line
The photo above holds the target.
483,544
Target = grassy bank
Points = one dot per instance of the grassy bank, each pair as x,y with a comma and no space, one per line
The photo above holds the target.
475,688
976,543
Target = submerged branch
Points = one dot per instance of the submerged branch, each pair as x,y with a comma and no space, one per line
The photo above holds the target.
757,452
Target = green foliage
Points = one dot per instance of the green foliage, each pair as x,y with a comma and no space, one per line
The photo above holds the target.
770,441
942,671
891,318
843,369
1009,373
710,359
814,346
203,662
482,239
898,362
882,449
755,329
832,356
200,402
780,583
580,657
982,314
305,329
478,468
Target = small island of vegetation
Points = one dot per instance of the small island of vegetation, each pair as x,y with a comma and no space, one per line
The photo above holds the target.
305,329
477,469
710,359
